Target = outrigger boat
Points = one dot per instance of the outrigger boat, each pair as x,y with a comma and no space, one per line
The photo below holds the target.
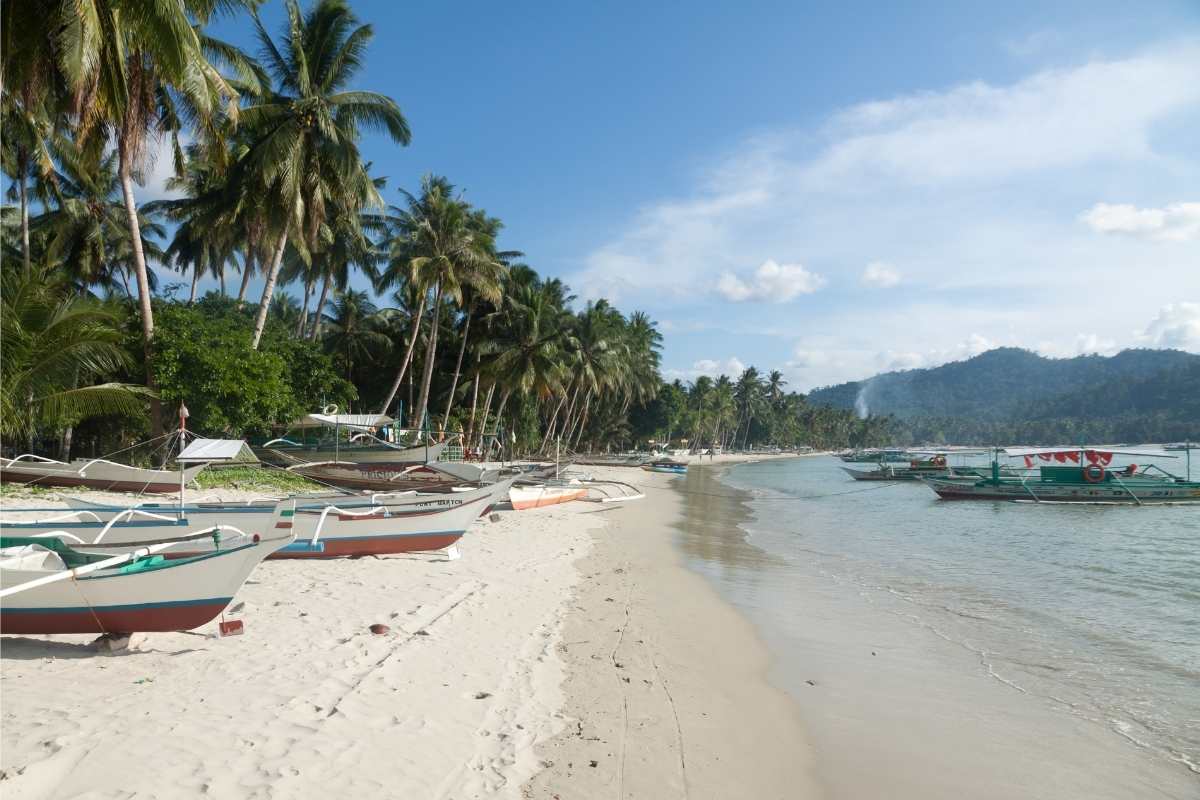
432,477
47,586
96,473
539,495
1081,475
917,469
360,445
875,456
327,525
666,465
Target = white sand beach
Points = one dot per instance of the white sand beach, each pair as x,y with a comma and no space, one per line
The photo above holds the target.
462,698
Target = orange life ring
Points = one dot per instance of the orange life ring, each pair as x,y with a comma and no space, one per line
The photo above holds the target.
1093,473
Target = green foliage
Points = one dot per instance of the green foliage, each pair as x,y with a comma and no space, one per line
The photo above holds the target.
203,358
56,346
254,478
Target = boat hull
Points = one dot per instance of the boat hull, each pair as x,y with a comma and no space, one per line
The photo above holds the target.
102,476
1033,491
180,595
285,455
526,497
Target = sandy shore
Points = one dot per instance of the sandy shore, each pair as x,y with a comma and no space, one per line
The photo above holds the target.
666,685
472,693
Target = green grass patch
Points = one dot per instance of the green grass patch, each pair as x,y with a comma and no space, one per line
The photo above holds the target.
254,478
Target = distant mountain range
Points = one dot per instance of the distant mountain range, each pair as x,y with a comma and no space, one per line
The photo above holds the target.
1012,395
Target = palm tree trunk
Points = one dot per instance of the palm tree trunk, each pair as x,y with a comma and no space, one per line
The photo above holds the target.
24,219
430,354
500,412
587,404
195,280
221,276
143,282
312,334
462,348
487,407
303,321
553,423
268,290
412,341
474,404
569,421
247,271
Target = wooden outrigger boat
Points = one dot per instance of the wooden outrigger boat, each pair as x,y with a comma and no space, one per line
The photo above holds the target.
539,495
1081,475
47,586
875,456
432,477
666,465
360,444
96,473
326,525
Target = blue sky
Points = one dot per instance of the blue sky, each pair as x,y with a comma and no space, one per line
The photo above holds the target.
828,189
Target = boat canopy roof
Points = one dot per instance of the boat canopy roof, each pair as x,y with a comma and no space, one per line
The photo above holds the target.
216,450
1016,452
363,422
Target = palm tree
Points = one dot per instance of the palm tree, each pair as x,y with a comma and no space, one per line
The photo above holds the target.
525,353
489,228
354,330
85,228
440,247
128,73
305,133
54,339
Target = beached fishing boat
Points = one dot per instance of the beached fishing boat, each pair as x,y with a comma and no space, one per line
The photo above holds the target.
327,525
432,477
539,495
666,465
96,473
47,586
343,438
1078,475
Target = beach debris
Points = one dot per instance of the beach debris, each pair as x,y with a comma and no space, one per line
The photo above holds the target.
872,652
593,763
811,683
144,680
232,627
482,695
111,643
421,632
235,608
493,517
608,600
379,629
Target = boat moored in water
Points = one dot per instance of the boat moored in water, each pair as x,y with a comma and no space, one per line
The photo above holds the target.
1079,475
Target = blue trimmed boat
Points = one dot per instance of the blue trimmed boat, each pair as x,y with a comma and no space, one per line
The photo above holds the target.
48,586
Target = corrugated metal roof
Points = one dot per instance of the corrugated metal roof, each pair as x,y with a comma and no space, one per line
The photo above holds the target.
210,450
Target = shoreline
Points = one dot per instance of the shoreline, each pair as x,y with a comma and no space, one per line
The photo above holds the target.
894,707
667,684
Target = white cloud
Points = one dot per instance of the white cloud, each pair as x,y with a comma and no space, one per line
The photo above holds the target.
974,191
711,367
1177,325
1178,222
880,275
158,169
1057,118
771,282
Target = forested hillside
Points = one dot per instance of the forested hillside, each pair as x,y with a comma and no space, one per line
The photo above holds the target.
1014,395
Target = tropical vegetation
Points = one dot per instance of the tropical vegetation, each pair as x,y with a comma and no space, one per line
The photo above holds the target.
374,298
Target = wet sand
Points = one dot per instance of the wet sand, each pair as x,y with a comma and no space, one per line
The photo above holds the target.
666,691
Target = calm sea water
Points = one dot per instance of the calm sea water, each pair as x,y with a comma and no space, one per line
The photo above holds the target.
1096,608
